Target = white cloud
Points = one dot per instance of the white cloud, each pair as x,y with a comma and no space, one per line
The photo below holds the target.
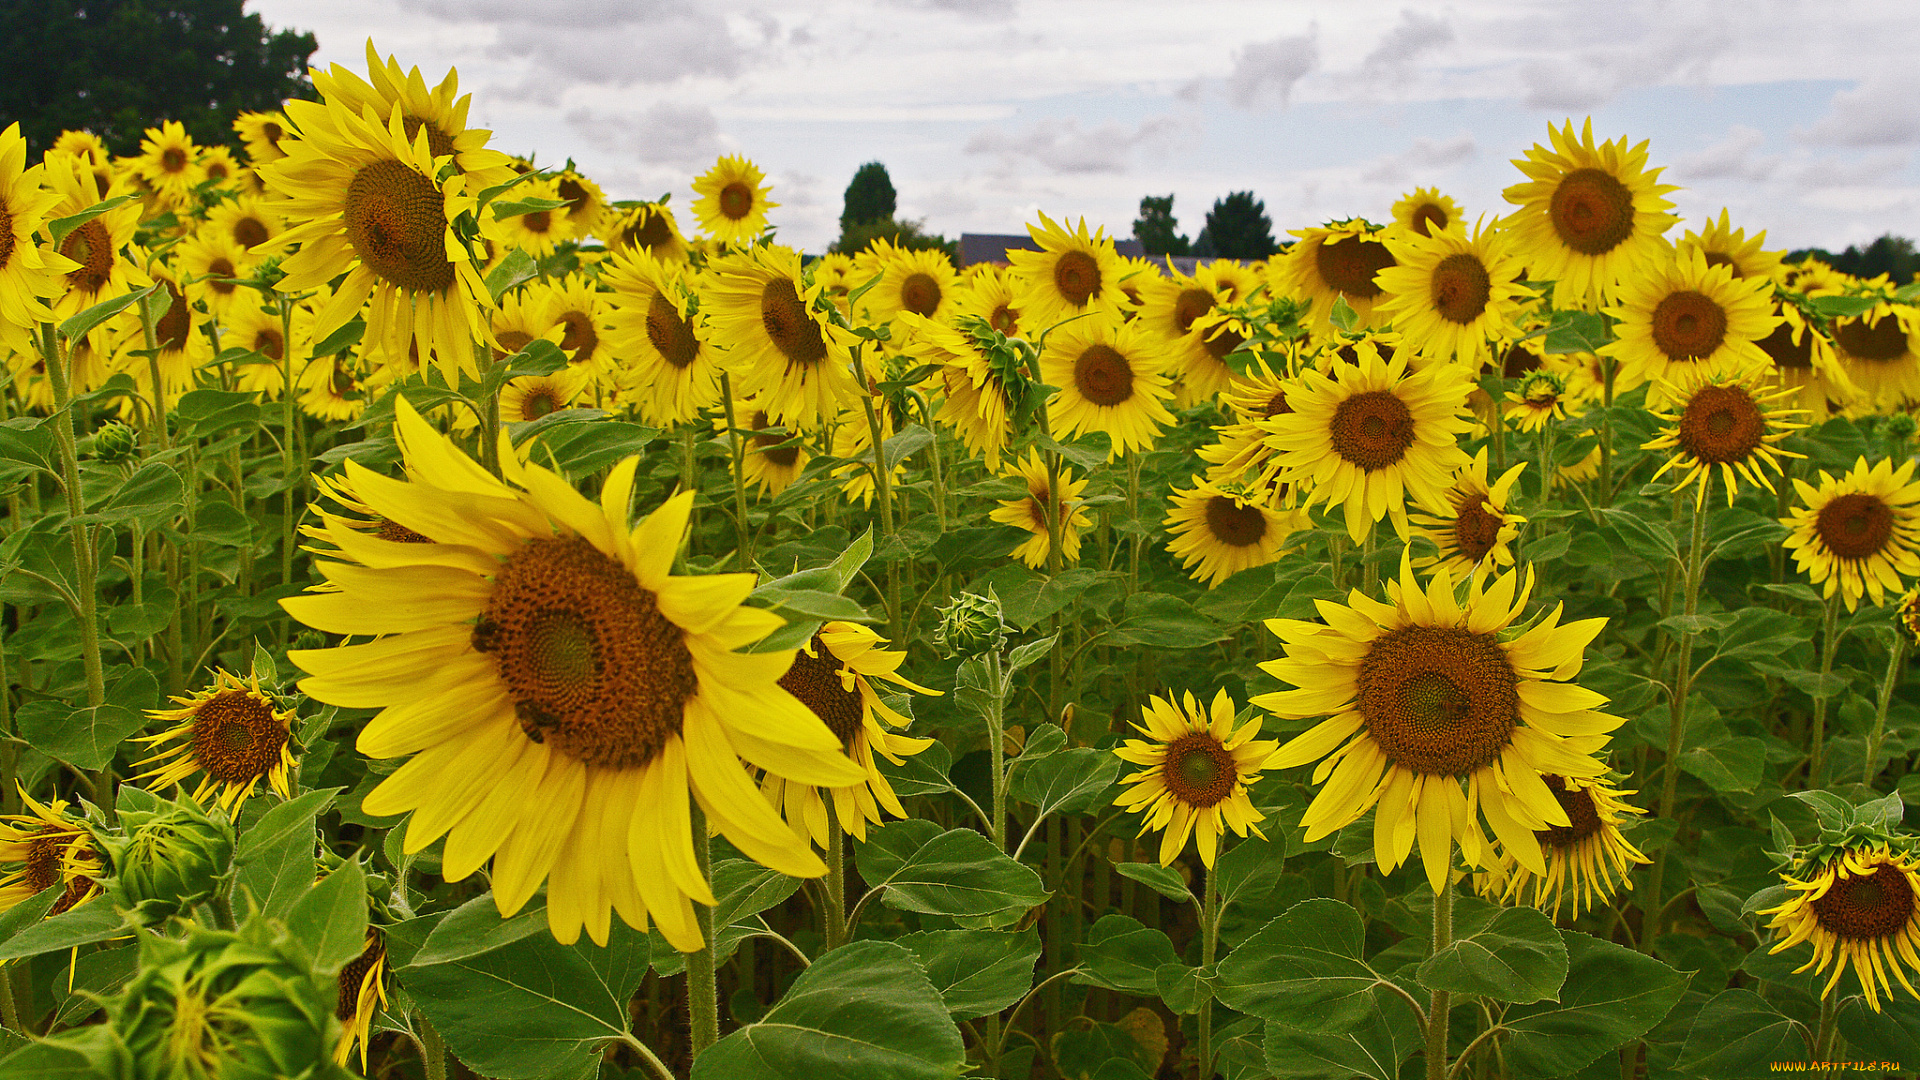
1649,46
1415,35
1869,170
1877,112
666,133
1269,69
1064,147
1732,158
1421,160
979,9
607,42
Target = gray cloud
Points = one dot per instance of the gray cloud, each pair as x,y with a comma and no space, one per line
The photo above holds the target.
1419,161
1877,112
979,9
1268,69
1413,36
611,42
1732,158
664,134
1064,147
1871,170
1663,45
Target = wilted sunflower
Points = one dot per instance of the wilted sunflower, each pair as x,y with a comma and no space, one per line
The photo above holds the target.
1588,860
1370,436
1682,313
363,993
261,133
1589,215
648,227
1219,531
1071,274
781,342
560,695
1860,908
665,365
1859,532
922,282
833,675
1725,419
1724,245
1451,294
1427,211
1876,350
1196,769
1457,715
733,204
1476,532
26,275
975,403
1330,262
46,847
169,164
1112,378
1031,512
233,733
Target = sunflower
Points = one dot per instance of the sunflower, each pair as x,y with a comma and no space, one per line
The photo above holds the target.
1682,312
211,264
1031,512
1240,449
1112,378
1803,358
853,438
1539,400
1876,350
1450,294
244,220
648,227
179,338
1185,312
84,143
989,292
441,113
95,269
733,204
574,305
1724,245
1330,262
1196,768
775,457
1588,860
46,847
26,273
1860,908
1590,216
975,403
587,207
1476,531
232,733
257,329
1072,273
1219,530
536,232
1427,211
363,993
1371,435
922,282
1434,712
333,387
1729,420
1858,532
218,165
530,397
1907,618
169,163
653,327
261,133
1169,306
561,696
779,335
833,675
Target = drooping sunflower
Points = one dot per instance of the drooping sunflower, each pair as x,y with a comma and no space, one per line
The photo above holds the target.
923,282
47,847
1434,711
169,162
975,402
1590,216
1450,294
363,993
1330,262
1683,312
1031,512
833,675
372,207
1427,211
1219,530
1371,435
440,112
1732,420
1112,378
1724,245
653,329
1073,273
559,695
587,207
775,456
733,203
989,292
97,270
1803,358
1877,351
26,274
647,226
781,342
1476,532
1860,909
232,733
261,133
1859,532
1196,768
1588,860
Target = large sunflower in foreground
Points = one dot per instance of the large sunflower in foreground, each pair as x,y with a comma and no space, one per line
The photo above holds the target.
441,113
1724,419
1476,532
1859,532
1112,378
665,365
1684,312
26,276
232,733
1860,908
1450,294
1588,860
371,208
1589,215
1435,710
1071,274
781,342
561,698
1332,262
733,203
1196,769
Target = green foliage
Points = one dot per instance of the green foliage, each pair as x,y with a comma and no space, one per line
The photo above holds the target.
1237,228
909,234
1156,227
869,197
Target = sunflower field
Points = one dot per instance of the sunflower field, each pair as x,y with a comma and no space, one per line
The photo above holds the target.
457,625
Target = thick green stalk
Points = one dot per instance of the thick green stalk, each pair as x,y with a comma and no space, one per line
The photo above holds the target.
883,490
1607,368
1209,946
1442,1001
997,746
1895,655
1829,644
738,442
86,572
838,932
1693,573
286,440
703,991
433,1052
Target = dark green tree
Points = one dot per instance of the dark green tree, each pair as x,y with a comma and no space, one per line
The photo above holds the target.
118,67
870,197
1156,225
1890,254
911,235
1238,228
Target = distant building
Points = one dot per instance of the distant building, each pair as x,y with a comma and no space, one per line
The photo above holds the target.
993,247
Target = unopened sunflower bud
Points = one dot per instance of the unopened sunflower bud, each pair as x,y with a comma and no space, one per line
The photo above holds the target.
115,443
167,860
971,625
1901,426
1907,623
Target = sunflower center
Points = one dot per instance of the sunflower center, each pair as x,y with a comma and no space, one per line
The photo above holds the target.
1222,342
1721,258
91,246
1438,700
396,220
539,403
173,159
1190,305
575,193
219,271
343,380
539,222
249,231
650,232
1372,429
1592,211
511,342
736,200
1277,404
1519,361
1199,771
1234,524
171,331
1103,376
1429,219
1688,325
1004,319
1583,817
1348,265
1477,529
1880,339
671,335
593,668
579,339
270,344
1785,351
789,325
920,294
236,738
815,680
439,143
397,533
217,169
1461,288
42,864
6,235
774,447
1867,907
352,975
1854,526
1721,425
1077,275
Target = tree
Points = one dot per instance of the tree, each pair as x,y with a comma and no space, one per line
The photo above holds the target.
118,67
1238,228
870,197
911,235
1155,226
1893,255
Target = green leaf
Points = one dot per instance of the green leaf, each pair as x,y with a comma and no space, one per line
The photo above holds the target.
1843,307
1032,652
1164,621
1249,871
847,565
1160,879
1343,316
84,925
84,738
1643,534
516,269
1303,970
331,919
1576,331
351,332
1759,633
78,326
60,228
291,818
924,773
1892,1034
1518,957
1737,1034
1375,1049
30,911
1832,811
864,1011
1183,988
957,873
1734,763
275,855
1612,995
977,972
1122,954
517,207
263,668
1071,781
1887,811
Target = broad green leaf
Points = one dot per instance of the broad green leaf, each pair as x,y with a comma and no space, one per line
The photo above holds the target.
957,873
977,972
1303,970
847,566
62,227
516,269
84,738
1164,621
350,333
1612,995
1737,1034
530,205
149,498
84,925
1892,1034
1183,988
1343,316
1518,957
1375,1049
85,1053
1071,781
30,911
1121,954
1575,331
79,325
291,818
925,773
1249,871
1643,534
744,889
1100,1051
1833,811
1030,653
1161,879
1734,763
1844,307
864,1011
331,919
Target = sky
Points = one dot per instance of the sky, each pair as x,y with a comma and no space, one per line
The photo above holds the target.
1798,118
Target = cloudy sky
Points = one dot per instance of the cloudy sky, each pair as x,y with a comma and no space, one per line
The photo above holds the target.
1800,118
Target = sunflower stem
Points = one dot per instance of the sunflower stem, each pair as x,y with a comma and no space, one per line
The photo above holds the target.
686,469
433,1052
1895,654
739,444
703,992
1209,946
836,885
1369,570
883,487
1607,371
1442,1000
1830,633
86,572
9,1009
1823,1039
1692,574
286,446
1133,516
997,746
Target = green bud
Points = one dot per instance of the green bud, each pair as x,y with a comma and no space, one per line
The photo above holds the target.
971,625
167,860
1901,426
115,443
